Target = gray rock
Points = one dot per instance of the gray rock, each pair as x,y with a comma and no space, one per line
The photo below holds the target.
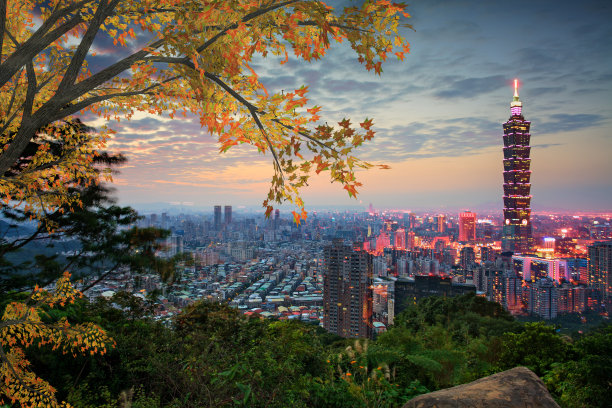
518,387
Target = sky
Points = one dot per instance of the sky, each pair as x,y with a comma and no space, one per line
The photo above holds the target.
438,117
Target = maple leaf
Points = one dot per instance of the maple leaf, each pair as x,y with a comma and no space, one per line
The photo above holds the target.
296,217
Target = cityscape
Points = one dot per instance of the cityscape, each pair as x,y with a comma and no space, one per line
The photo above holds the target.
274,268
352,272
227,204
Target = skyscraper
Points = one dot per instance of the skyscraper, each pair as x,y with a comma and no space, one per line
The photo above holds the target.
467,257
217,217
228,214
400,239
486,254
546,297
600,267
410,240
467,226
516,235
441,221
347,291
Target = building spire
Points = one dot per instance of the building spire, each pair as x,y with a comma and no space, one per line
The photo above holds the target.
516,106
516,96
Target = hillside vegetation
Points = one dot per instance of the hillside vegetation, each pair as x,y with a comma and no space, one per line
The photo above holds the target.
213,356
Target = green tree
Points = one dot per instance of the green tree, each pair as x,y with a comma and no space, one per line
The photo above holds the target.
537,347
103,242
587,380
102,237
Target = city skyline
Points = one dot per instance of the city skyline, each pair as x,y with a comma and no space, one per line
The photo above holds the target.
437,115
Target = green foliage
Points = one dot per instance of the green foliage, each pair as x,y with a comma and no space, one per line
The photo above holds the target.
469,315
99,234
213,356
537,347
586,381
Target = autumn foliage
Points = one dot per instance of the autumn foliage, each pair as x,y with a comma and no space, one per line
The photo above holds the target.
25,324
169,57
178,57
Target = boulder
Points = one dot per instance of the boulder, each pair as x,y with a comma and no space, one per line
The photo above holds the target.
518,387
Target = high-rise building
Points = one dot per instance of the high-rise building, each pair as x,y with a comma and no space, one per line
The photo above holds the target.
217,217
600,267
400,239
410,240
495,284
546,298
276,218
532,268
347,291
513,292
517,234
165,221
487,254
467,226
382,242
467,257
228,214
571,299
441,223
174,245
379,266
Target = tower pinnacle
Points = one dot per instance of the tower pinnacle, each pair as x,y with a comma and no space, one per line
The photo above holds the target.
516,89
516,106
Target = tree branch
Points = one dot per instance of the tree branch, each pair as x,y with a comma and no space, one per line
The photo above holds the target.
101,278
34,45
110,72
2,25
19,243
252,110
5,360
10,107
30,93
78,57
56,15
344,27
244,19
13,39
71,109
306,135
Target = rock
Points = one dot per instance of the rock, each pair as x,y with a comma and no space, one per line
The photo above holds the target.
518,387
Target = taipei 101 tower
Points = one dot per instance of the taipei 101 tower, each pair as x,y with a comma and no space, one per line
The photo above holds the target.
517,236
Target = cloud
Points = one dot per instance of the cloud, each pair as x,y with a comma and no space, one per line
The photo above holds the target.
446,138
350,85
546,90
470,87
567,122
199,185
546,145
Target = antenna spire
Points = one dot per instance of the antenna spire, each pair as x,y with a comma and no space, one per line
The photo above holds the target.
516,95
516,106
